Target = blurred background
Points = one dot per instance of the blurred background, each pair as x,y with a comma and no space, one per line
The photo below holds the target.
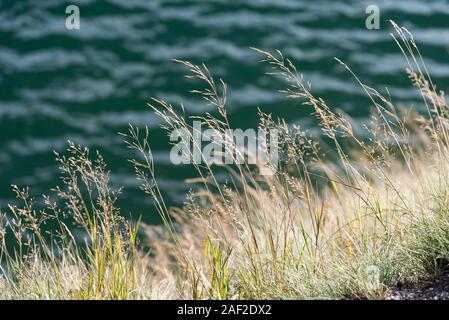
86,85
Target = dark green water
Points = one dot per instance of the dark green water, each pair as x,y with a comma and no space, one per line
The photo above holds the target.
86,85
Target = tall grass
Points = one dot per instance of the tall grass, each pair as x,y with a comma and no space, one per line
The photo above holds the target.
346,216
50,262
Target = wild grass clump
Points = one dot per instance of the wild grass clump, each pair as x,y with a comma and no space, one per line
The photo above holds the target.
347,216
76,248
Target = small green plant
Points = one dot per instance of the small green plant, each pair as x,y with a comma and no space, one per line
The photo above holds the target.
220,278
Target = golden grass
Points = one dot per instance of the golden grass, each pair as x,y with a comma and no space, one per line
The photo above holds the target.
349,225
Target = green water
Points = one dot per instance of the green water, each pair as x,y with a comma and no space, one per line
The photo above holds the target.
87,85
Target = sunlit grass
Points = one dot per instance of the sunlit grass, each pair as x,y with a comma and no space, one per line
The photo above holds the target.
346,216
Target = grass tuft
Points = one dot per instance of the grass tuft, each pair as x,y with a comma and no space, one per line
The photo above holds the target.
347,216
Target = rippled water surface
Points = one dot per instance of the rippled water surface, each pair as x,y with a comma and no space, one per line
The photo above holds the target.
87,85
